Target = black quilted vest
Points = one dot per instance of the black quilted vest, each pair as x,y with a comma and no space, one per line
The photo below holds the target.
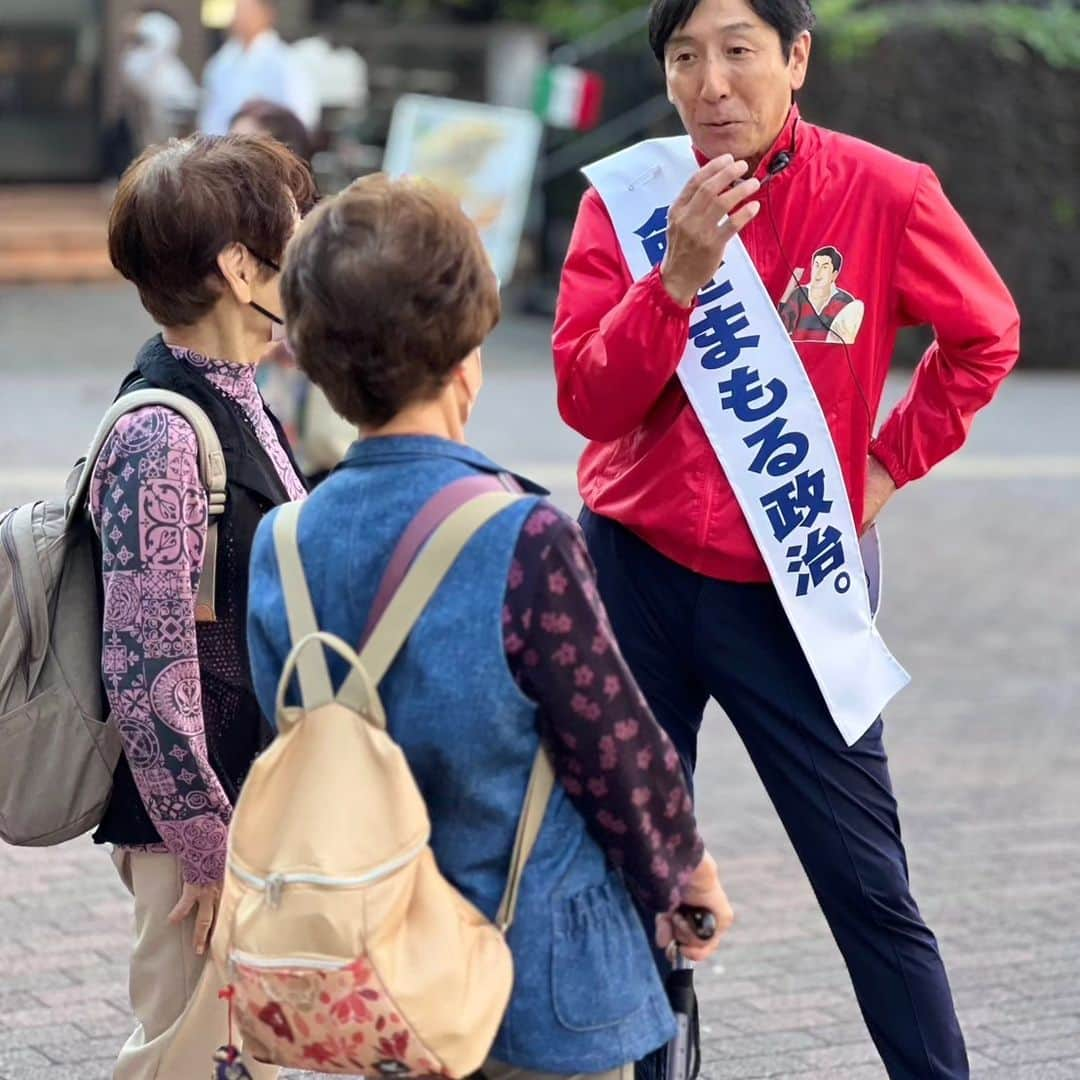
235,729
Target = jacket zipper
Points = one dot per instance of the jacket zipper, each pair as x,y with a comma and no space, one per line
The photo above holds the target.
271,962
22,607
273,884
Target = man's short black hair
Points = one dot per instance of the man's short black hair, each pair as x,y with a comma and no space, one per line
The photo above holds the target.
833,256
789,18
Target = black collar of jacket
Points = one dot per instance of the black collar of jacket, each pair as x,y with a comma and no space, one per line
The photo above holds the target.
247,462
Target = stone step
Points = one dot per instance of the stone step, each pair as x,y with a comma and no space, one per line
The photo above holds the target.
54,234
55,267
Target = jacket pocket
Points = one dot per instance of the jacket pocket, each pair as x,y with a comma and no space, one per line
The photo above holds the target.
602,969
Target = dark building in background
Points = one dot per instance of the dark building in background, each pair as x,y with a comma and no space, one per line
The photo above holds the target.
59,77
50,89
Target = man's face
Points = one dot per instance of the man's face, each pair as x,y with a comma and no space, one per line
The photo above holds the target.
727,76
251,18
823,275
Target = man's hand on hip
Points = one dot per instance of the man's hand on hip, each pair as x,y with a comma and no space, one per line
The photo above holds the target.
880,488
699,228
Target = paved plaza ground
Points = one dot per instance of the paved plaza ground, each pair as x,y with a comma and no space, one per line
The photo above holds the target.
981,606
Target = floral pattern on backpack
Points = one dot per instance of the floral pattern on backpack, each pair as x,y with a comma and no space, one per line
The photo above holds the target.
338,1021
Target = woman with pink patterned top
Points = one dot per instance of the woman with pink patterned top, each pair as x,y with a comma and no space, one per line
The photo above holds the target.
199,227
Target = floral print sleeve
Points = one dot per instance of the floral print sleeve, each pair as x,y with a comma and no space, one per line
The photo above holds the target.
149,506
614,760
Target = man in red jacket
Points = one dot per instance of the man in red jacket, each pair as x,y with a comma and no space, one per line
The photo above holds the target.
683,579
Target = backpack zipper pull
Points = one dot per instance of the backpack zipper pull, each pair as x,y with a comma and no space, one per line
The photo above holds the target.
274,885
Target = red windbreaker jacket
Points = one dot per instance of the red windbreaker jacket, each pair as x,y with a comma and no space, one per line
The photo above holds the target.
875,246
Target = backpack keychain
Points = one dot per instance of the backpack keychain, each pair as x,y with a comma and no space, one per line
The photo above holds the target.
227,1063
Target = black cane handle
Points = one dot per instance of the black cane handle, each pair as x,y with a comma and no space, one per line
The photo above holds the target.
701,919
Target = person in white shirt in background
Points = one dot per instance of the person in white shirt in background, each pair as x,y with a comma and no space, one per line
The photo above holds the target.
255,63
339,74
161,94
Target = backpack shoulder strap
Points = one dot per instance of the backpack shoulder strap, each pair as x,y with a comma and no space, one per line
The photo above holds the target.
537,797
430,516
423,578
211,457
211,469
315,686
410,599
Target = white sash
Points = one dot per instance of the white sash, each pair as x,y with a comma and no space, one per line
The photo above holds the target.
755,401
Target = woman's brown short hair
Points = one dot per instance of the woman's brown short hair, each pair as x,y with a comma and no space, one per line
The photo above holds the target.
180,203
387,288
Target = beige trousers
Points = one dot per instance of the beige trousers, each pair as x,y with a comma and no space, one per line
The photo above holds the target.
496,1070
174,993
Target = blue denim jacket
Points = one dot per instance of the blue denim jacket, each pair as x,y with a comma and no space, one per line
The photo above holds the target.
586,996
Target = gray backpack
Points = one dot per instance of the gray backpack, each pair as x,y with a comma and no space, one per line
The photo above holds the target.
57,749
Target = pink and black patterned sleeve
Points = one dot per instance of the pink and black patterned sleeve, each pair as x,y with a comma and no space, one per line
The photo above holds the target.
614,760
149,506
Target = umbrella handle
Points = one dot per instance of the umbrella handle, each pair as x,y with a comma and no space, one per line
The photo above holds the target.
683,1061
702,920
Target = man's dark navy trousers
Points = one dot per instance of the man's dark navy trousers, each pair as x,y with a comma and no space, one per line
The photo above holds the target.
688,638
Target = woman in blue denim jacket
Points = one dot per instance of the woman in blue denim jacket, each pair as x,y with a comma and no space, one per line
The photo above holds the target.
388,295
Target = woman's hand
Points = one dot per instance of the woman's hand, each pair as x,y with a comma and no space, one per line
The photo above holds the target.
203,900
702,891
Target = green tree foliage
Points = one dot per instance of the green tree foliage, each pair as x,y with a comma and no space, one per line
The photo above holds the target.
848,27
566,19
851,27
569,18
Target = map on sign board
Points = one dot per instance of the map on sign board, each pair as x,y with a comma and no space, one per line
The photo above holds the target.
483,154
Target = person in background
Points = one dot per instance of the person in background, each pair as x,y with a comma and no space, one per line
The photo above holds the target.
198,227
261,117
255,64
389,296
160,93
340,76
319,437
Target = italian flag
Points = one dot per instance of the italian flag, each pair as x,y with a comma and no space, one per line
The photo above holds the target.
570,97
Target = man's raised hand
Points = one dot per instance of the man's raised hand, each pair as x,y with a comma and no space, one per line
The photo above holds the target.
701,224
